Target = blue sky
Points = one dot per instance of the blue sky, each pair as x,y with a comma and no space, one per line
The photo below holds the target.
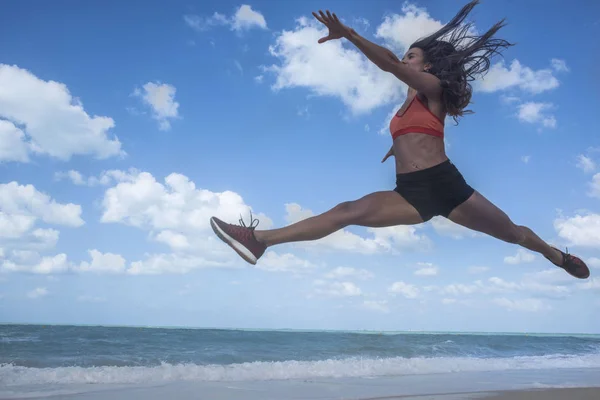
123,128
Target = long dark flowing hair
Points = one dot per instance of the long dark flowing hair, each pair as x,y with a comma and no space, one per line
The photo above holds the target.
457,57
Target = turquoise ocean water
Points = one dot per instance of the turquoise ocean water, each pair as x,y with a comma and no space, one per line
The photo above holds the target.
49,355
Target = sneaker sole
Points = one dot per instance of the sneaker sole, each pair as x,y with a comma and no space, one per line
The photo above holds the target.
569,272
234,244
576,276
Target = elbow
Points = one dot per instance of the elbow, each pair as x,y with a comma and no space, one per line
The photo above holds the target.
388,66
393,64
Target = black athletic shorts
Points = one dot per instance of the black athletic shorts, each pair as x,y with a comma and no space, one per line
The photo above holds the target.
434,191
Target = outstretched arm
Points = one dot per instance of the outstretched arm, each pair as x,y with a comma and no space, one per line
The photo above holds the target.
380,56
386,60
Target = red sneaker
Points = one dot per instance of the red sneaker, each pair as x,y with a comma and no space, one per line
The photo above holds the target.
240,238
573,265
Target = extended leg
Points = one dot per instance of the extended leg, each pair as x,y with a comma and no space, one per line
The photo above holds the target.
479,214
376,210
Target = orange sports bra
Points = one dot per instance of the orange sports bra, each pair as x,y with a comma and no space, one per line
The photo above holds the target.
416,118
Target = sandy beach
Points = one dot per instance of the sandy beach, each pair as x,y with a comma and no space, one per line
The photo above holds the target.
587,393
574,384
549,394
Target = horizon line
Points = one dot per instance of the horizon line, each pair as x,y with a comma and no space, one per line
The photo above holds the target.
300,329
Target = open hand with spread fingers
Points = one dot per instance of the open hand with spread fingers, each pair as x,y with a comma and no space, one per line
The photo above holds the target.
337,30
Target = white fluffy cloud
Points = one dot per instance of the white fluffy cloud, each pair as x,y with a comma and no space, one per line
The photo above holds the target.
404,289
399,31
522,256
495,285
527,285
537,113
74,176
32,262
175,212
362,87
337,289
580,230
585,163
103,262
401,237
376,305
21,207
35,264
41,117
362,24
106,263
594,186
330,69
445,227
105,178
348,272
26,200
517,76
594,262
590,284
25,238
526,305
426,269
42,239
295,213
271,261
559,65
13,143
387,239
525,79
172,263
14,226
201,24
457,289
160,97
176,241
244,18
139,200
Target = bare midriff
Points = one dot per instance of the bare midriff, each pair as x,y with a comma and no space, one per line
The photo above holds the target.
415,151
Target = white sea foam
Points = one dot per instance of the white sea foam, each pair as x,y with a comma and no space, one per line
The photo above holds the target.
254,371
4,339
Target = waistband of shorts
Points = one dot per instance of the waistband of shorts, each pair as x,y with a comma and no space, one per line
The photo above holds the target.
443,168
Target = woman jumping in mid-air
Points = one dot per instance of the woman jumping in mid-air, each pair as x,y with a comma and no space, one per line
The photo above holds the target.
437,70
